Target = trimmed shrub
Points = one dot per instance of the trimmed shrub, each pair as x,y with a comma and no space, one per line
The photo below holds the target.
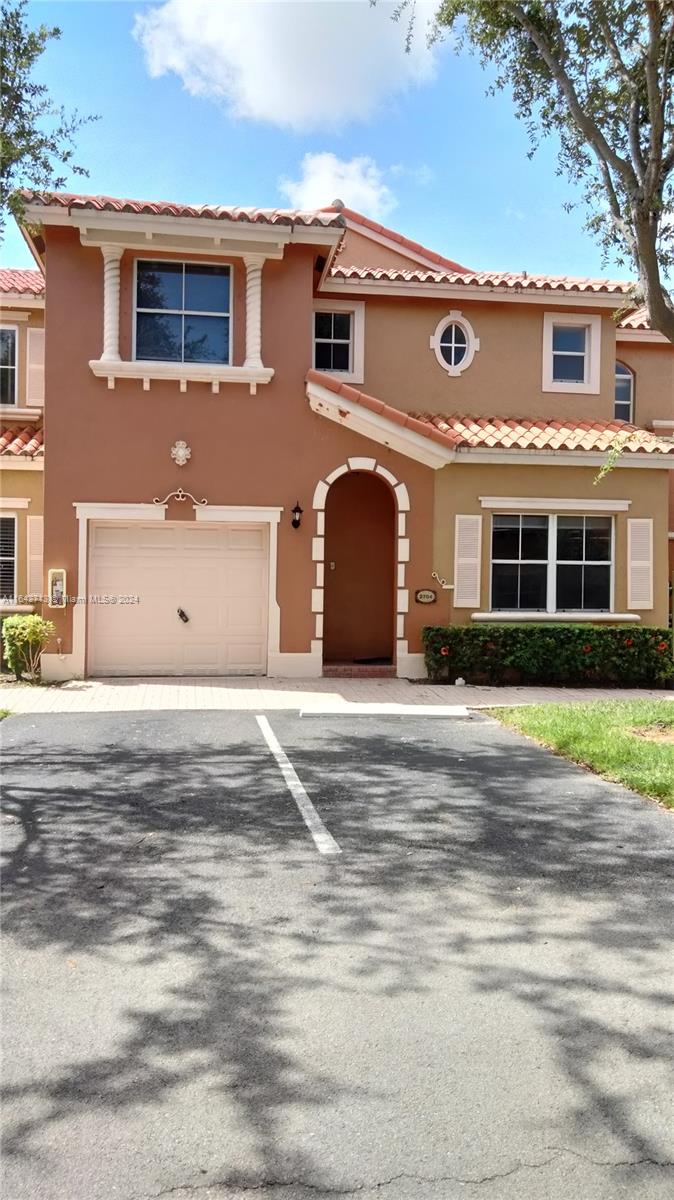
581,655
24,637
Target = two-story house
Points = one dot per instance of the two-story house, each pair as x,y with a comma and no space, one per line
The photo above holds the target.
21,439
273,433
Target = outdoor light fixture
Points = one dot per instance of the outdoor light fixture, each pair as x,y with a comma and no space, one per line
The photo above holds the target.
297,515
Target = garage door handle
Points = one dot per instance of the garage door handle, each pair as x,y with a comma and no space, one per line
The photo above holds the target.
183,615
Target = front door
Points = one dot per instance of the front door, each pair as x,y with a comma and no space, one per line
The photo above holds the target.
359,587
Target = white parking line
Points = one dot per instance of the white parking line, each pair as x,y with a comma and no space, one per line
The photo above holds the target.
324,841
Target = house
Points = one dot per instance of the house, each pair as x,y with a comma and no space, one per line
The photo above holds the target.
21,439
282,442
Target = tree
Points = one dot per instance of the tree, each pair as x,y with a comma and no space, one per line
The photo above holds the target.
600,75
37,136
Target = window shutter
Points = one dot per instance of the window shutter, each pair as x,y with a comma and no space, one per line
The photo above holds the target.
467,552
640,562
35,544
35,368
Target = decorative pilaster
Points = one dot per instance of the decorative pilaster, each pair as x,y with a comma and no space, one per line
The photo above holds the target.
111,260
254,264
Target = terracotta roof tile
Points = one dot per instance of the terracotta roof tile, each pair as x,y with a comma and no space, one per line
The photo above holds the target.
26,283
461,432
399,238
639,319
167,208
504,280
21,443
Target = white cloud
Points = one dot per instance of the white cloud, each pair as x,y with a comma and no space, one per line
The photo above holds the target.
299,64
359,182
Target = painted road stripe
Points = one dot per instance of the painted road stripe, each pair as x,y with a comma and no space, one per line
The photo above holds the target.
324,841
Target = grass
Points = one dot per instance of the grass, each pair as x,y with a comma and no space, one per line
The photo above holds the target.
4,712
608,737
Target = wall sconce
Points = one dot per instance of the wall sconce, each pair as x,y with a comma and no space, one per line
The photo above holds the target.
297,516
56,588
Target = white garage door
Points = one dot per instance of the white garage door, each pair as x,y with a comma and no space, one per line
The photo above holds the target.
141,574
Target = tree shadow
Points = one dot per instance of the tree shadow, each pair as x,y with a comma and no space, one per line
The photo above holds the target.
188,862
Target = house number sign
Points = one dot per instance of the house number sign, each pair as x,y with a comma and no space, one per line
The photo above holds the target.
425,596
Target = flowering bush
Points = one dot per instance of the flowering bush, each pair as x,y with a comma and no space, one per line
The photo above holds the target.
630,656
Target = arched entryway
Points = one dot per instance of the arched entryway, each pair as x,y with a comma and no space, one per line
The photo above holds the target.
359,573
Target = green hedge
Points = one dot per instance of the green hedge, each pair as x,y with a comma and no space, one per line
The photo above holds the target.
626,655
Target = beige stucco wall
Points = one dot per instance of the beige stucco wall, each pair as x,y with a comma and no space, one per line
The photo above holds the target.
653,366
357,250
458,489
17,318
26,485
505,377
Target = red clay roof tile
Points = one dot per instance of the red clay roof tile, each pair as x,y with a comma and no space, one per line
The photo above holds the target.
167,208
503,280
21,443
24,282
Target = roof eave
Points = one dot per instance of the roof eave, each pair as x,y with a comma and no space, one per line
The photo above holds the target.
554,297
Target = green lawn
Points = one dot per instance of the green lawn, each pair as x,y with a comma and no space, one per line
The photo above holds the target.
601,736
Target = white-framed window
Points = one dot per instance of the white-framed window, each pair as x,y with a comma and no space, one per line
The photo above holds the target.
551,563
8,557
454,343
571,353
624,393
338,338
182,312
9,339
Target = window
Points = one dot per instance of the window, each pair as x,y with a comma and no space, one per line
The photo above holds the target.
454,343
332,341
8,340
338,337
182,312
519,562
7,558
583,564
571,353
551,563
624,393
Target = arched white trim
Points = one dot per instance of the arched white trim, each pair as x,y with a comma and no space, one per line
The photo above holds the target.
472,342
402,503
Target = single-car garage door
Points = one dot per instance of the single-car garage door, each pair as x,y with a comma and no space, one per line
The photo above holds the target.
141,575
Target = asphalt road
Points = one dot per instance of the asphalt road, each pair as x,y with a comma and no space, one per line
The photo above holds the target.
473,998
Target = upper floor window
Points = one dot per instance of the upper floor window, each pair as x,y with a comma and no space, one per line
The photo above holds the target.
182,312
551,563
7,558
571,352
338,338
454,343
624,393
8,340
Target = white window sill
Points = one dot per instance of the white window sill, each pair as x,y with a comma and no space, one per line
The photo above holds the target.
349,377
559,617
7,608
183,373
15,410
578,389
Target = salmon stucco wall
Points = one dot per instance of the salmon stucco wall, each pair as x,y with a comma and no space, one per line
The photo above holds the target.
113,445
459,488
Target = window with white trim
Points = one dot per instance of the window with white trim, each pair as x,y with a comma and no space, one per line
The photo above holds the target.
571,353
8,357
554,563
624,393
338,338
8,558
182,312
454,343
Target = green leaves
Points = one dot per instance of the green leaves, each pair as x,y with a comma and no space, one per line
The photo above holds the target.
24,638
37,136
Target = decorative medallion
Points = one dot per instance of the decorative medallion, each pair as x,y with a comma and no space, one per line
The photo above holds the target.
181,453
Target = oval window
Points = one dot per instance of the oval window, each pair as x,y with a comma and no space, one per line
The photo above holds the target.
453,345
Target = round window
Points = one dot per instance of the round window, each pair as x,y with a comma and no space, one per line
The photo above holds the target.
453,345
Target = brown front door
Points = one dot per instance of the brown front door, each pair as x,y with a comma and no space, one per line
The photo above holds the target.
359,589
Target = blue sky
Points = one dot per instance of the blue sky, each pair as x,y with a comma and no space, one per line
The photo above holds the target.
271,102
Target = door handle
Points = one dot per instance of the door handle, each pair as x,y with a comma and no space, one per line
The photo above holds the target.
183,615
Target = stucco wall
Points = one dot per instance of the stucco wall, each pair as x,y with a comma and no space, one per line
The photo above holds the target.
458,489
27,485
653,367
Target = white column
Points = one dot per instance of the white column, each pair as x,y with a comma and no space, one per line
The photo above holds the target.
111,259
254,264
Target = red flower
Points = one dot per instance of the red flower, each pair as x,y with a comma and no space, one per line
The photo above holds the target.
662,646
444,650
587,649
629,641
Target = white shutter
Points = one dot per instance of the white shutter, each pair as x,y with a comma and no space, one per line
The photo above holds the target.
35,544
35,368
640,562
467,551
